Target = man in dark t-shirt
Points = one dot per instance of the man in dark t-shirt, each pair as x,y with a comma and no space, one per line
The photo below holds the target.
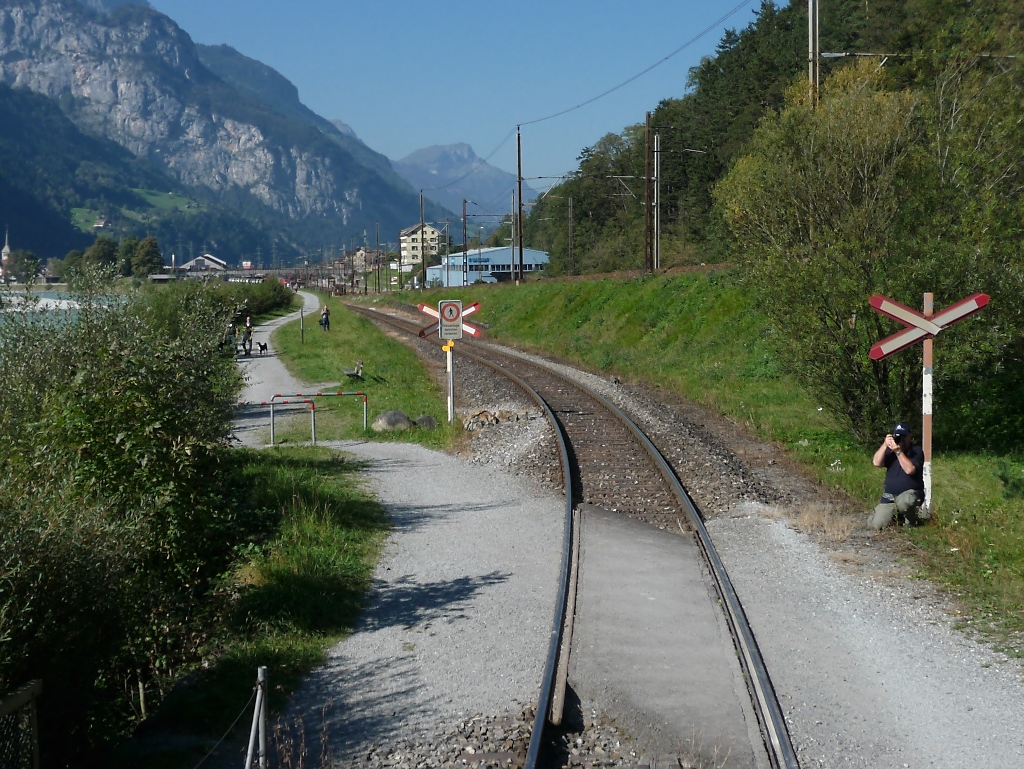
904,484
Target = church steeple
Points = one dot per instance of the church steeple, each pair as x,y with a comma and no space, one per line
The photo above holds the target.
5,254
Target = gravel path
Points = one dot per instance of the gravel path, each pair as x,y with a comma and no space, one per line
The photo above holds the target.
456,632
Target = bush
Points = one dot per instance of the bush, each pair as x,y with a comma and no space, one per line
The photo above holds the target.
254,298
117,500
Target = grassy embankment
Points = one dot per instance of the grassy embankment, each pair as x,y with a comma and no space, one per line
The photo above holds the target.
394,378
699,335
291,594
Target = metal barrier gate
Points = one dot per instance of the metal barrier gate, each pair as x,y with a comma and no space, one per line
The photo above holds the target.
308,398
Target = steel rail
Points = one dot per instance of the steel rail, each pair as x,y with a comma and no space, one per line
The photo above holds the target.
769,712
775,733
548,685
551,667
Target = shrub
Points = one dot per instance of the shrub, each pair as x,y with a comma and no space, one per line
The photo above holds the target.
117,499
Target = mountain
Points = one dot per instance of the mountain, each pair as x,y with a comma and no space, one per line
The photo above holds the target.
275,90
57,182
448,174
134,77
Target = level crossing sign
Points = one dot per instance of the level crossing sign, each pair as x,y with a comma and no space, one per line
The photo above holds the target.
921,325
918,325
450,324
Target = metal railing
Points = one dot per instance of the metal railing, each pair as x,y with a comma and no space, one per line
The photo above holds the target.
19,728
308,398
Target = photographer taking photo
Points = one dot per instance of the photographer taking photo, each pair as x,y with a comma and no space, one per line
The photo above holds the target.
904,484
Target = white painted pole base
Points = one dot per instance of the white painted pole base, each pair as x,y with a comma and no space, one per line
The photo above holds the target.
451,384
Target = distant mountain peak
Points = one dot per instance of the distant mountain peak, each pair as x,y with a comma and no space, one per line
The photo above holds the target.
449,173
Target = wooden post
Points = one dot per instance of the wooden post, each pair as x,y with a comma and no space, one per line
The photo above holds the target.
926,408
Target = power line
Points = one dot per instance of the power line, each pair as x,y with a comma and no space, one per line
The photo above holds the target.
612,90
637,76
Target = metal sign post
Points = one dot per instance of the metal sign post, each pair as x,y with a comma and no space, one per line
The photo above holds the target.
450,327
922,326
449,348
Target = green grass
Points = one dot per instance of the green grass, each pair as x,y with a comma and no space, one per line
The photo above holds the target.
394,378
698,334
288,597
163,202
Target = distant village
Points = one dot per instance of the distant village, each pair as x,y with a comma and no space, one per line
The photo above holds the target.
357,270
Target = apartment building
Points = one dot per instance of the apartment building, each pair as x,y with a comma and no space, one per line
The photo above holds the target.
414,244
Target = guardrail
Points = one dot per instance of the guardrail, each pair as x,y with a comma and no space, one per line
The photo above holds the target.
19,728
308,398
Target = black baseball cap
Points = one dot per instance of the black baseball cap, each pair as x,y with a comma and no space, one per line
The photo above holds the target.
900,430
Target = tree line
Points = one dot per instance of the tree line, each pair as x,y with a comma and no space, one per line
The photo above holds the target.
903,176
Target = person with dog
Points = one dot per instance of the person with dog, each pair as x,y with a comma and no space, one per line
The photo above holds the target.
903,491
325,318
247,335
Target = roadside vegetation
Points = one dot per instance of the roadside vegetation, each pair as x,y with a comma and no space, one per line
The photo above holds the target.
138,548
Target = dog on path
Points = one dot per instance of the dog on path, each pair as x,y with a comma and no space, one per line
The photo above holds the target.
261,347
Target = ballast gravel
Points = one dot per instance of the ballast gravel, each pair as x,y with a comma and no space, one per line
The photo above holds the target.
870,664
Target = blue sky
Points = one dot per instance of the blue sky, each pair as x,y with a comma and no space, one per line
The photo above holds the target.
475,68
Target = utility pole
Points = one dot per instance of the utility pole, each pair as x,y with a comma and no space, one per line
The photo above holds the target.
813,53
648,171
400,283
512,238
657,201
423,246
572,264
519,153
465,243
376,257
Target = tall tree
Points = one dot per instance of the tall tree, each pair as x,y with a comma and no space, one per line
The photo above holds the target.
147,259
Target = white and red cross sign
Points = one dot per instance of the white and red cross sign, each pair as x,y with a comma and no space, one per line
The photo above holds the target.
449,314
917,325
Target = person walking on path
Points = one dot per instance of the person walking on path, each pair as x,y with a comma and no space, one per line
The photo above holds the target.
247,335
325,319
903,491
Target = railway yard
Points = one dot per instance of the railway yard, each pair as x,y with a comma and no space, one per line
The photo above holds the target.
866,665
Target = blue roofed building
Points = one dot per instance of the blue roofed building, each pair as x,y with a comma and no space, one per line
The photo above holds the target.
486,264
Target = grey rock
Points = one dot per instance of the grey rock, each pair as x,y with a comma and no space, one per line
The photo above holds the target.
391,421
136,78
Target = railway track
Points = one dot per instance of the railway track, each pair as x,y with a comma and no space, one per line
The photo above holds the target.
609,462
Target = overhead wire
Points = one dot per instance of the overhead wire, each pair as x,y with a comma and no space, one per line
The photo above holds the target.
640,74
736,9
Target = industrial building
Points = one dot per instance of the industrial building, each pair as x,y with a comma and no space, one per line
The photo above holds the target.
487,264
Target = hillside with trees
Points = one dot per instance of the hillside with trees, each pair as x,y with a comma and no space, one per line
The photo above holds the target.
904,179
54,175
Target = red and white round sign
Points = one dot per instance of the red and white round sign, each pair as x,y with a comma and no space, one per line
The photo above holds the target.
451,311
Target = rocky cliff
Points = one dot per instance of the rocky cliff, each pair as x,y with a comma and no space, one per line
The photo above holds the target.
133,76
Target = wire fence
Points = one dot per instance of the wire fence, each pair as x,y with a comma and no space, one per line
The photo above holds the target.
19,732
